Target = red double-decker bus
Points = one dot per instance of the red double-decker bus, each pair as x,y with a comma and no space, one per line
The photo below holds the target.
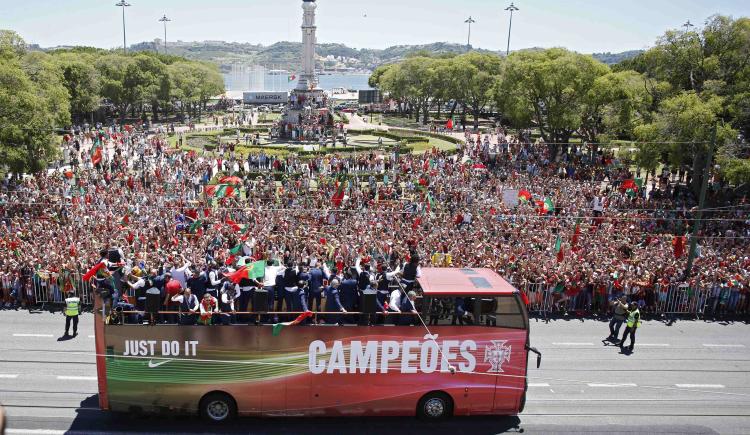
465,354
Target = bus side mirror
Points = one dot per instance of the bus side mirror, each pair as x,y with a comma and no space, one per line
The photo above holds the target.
538,355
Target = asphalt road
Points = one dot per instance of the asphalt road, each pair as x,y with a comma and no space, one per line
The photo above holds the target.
691,377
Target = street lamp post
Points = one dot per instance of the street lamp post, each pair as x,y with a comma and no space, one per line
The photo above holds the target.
469,21
512,8
123,4
688,25
165,20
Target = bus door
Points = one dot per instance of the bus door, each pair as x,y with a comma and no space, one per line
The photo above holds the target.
507,352
287,392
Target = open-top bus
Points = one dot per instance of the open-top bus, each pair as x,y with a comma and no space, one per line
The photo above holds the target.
470,360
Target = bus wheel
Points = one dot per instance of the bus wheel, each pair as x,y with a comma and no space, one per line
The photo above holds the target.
218,407
435,406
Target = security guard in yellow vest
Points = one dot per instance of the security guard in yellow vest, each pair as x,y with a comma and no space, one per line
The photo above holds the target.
634,322
72,309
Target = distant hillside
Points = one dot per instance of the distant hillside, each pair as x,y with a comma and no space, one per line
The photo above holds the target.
285,55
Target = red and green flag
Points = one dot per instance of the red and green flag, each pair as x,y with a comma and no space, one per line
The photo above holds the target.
279,326
96,154
546,206
220,191
338,195
254,270
291,78
195,226
524,196
237,250
559,251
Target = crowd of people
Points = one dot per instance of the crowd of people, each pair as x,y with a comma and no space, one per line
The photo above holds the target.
574,226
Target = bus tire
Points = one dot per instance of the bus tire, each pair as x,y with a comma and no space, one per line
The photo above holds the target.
435,405
218,407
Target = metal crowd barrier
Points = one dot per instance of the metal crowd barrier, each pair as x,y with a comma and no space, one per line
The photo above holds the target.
50,290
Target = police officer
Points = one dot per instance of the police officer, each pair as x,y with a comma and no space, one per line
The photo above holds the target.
634,321
72,308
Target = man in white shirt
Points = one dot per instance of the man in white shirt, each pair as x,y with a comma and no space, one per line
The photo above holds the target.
181,274
188,306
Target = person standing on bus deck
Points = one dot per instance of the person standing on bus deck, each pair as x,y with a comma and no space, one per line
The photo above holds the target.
348,291
634,321
72,308
214,281
333,302
317,276
412,271
188,306
408,305
291,291
620,308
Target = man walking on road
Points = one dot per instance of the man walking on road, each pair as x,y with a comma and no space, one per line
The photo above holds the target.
72,308
634,321
618,317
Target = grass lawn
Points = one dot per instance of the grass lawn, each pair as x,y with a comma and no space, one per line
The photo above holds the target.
269,117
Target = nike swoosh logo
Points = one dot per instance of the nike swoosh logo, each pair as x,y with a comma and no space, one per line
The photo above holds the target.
153,365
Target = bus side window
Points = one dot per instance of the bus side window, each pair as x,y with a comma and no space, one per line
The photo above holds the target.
448,310
500,311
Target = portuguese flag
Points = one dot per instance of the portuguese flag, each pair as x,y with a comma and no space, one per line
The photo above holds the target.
291,78
546,206
236,250
279,326
254,270
524,196
90,274
220,191
559,251
96,154
195,226
576,233
338,195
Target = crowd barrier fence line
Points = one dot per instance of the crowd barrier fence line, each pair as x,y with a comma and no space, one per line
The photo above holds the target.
50,291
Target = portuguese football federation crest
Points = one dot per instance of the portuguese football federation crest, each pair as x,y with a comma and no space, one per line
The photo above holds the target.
496,354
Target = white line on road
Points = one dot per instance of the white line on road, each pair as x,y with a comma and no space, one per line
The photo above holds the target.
653,344
573,344
2,376
32,335
612,385
699,386
35,432
724,345
77,378
542,384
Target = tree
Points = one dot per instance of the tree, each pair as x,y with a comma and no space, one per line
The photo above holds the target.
112,69
478,74
614,105
81,79
33,101
685,123
548,88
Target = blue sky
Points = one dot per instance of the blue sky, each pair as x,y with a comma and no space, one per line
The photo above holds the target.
582,25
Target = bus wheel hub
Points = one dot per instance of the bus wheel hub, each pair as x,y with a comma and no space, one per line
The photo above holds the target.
434,407
218,410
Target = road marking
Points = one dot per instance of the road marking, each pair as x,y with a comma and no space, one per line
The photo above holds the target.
35,431
32,335
699,386
77,378
2,376
573,344
654,344
539,385
612,385
724,345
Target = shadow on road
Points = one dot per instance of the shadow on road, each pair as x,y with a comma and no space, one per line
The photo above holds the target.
90,418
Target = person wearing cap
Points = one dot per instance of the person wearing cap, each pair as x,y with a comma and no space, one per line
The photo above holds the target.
72,309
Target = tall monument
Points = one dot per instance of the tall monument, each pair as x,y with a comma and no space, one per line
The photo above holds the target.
308,79
307,114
